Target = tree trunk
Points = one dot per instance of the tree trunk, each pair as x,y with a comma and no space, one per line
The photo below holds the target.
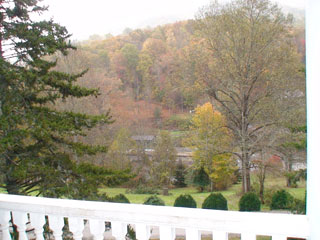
289,170
246,185
248,178
11,185
244,177
261,190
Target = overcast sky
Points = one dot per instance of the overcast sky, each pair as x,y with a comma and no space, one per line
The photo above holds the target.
84,18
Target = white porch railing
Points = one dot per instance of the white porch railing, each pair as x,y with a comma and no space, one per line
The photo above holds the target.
168,219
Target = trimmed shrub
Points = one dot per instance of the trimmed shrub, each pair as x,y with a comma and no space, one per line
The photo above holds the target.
154,200
249,202
185,200
120,198
281,200
215,201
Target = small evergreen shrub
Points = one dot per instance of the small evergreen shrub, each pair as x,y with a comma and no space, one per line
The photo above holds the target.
154,200
185,200
281,200
179,177
249,202
201,179
120,198
215,201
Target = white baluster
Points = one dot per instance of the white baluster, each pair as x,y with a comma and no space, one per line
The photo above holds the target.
279,237
20,219
119,230
4,224
37,221
167,233
56,224
248,236
97,228
142,231
76,226
218,235
193,234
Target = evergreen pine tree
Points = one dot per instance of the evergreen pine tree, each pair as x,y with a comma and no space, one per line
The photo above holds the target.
179,179
201,179
36,144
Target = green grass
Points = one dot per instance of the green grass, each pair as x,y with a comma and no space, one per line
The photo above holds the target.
3,190
233,194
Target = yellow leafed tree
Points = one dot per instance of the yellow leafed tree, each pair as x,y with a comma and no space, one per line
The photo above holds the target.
211,140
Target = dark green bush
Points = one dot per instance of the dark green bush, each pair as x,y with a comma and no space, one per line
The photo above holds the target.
298,206
292,178
215,201
179,176
281,200
154,200
185,200
201,179
268,193
120,198
249,202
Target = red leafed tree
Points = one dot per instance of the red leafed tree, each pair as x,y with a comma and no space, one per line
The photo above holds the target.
265,163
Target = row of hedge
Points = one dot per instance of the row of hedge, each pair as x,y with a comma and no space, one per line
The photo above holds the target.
213,201
249,202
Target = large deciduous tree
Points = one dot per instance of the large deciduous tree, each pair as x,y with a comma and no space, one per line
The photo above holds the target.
163,160
253,69
118,152
36,146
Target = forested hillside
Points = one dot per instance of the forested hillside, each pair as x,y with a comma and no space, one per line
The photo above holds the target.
146,74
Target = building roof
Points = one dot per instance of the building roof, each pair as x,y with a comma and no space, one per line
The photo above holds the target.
143,137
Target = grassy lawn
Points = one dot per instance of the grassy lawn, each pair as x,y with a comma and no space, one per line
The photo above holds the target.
233,194
2,190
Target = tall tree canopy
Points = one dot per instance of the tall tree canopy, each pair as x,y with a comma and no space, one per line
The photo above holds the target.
163,160
36,146
253,71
